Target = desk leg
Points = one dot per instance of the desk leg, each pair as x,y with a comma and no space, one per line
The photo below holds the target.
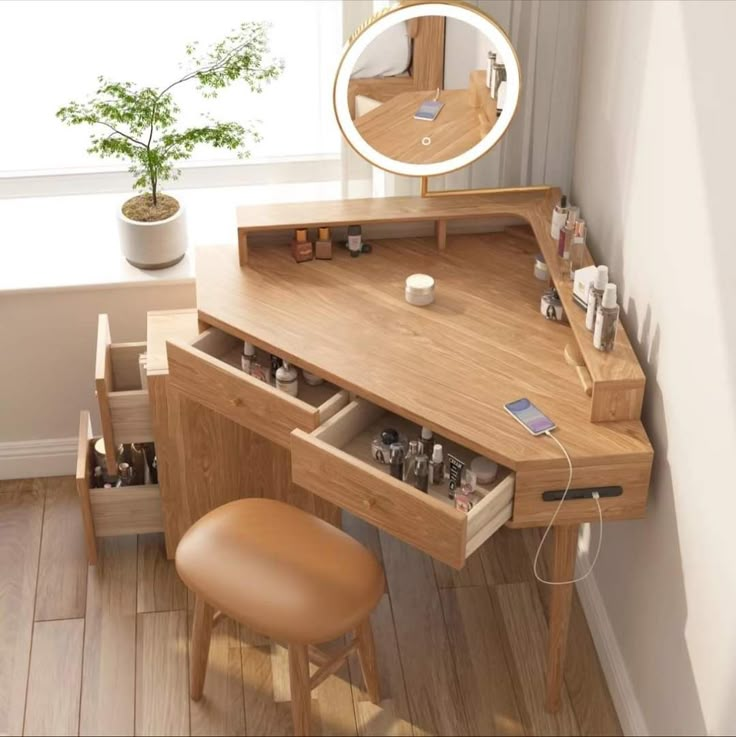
563,569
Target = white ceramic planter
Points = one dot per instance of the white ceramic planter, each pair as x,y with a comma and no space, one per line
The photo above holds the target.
154,245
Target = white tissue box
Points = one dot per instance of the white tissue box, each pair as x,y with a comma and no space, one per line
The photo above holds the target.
581,284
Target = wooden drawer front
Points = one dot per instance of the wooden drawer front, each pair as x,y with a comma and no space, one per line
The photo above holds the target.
422,520
198,371
531,510
129,510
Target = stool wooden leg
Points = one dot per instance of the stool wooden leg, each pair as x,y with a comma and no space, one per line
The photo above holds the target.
201,633
301,691
367,656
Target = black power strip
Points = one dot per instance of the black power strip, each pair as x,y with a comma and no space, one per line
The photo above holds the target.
603,492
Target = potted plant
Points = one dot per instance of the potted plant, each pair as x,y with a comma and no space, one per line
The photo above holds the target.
139,124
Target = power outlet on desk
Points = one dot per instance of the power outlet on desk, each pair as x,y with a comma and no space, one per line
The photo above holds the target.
603,492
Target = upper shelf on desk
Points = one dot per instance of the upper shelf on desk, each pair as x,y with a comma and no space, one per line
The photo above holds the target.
451,365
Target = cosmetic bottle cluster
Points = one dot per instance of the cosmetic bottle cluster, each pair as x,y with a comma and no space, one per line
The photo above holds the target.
422,463
303,249
273,370
590,285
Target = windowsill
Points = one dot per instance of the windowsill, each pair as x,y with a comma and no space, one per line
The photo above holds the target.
51,243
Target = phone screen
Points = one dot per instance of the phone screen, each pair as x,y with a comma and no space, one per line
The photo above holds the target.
429,110
529,416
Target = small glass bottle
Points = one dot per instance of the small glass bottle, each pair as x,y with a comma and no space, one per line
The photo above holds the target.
301,248
437,466
606,320
355,240
125,474
464,495
567,235
426,436
286,379
323,244
577,249
595,295
421,473
248,357
559,216
411,455
396,460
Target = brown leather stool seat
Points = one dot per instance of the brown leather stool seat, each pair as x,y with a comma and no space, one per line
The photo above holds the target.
287,575
280,571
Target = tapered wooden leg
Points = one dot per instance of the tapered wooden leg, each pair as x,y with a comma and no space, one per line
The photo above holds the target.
301,692
563,569
367,656
201,633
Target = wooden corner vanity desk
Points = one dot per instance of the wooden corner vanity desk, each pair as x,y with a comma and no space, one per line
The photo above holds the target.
450,366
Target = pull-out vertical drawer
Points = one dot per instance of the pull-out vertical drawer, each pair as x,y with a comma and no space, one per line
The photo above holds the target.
208,371
335,462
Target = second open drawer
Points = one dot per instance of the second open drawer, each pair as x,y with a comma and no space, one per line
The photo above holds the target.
208,371
334,462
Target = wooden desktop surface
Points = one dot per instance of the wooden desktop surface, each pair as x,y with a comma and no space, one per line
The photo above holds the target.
451,365
393,131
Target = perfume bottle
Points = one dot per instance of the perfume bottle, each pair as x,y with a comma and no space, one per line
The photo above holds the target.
301,248
577,249
606,320
409,459
396,460
323,244
567,234
595,295
559,216
421,473
437,466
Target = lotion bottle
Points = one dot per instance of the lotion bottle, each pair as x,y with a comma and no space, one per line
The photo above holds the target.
286,379
606,320
248,357
595,295
559,216
437,466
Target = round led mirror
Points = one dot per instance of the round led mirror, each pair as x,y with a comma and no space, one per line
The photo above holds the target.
424,88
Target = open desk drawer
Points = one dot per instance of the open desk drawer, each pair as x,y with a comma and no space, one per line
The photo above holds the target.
208,371
335,463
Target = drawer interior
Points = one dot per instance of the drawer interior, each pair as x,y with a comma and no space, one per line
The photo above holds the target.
229,350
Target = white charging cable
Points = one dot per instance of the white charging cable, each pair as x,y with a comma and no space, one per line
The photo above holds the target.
596,496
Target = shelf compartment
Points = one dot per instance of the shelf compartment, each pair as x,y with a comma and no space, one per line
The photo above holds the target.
125,510
208,370
334,462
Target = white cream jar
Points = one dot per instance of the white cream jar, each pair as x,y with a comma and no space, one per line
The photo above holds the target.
419,290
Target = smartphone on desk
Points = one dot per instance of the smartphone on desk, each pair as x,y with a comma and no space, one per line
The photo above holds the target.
533,419
429,110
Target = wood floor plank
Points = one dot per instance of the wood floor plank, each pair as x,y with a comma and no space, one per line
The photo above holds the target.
506,559
162,674
108,675
62,570
490,703
159,587
55,679
263,715
21,515
524,633
391,716
429,670
220,710
471,574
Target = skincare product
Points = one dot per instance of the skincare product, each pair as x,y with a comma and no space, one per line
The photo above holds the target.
248,357
567,235
437,466
464,495
261,370
397,461
485,470
125,474
421,473
559,216
541,271
312,379
301,248
455,466
286,379
577,248
551,306
427,438
409,459
355,240
489,68
595,295
582,284
381,444
419,290
275,365
606,320
323,245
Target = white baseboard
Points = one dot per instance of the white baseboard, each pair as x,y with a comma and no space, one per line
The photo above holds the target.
27,459
614,668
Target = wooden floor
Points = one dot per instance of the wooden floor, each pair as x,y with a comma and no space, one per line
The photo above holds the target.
105,650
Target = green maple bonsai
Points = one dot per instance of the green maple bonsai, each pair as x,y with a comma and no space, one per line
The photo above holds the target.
140,123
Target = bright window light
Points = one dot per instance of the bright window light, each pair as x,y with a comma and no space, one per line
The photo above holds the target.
53,52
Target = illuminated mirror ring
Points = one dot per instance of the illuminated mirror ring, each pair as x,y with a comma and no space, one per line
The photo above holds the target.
387,19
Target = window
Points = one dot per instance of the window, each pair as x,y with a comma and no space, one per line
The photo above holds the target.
53,52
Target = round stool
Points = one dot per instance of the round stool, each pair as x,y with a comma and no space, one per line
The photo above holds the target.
289,576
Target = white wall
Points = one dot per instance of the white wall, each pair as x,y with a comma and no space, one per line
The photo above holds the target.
654,170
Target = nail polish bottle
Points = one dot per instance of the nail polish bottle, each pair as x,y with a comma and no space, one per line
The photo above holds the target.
577,249
301,248
437,466
606,320
595,295
323,245
355,240
559,216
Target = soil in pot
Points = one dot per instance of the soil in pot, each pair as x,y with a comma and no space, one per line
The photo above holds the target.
141,208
